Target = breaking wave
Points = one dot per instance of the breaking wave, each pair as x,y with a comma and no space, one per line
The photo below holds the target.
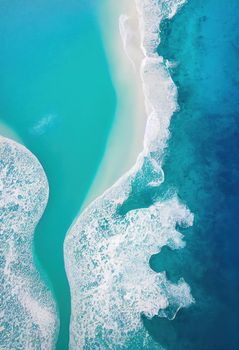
28,317
107,249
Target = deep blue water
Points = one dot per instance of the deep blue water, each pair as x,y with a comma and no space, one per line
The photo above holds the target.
202,163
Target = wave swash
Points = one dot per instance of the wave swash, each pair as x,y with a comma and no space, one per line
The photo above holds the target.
28,318
107,249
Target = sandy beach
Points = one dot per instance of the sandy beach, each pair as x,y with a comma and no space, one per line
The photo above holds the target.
121,36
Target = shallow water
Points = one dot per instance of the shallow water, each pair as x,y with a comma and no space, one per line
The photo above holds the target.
28,313
56,94
107,249
46,97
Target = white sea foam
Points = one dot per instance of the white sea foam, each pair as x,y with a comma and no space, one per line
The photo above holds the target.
107,251
107,262
28,318
151,13
127,36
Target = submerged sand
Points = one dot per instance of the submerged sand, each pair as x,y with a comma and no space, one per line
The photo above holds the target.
7,132
121,36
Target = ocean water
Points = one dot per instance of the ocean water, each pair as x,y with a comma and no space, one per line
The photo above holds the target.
152,263
201,163
56,94
191,301
108,248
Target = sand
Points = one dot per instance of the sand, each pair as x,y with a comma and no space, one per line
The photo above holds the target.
121,36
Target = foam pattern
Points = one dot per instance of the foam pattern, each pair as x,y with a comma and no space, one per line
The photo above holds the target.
111,281
151,13
107,252
28,317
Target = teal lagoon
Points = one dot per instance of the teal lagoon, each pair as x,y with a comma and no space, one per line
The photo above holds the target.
56,94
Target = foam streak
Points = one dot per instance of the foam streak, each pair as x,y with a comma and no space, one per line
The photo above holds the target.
106,252
28,318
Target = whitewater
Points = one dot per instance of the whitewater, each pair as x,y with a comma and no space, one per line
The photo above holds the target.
28,314
108,247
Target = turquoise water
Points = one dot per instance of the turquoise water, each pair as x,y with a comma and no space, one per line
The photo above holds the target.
56,93
108,248
28,310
